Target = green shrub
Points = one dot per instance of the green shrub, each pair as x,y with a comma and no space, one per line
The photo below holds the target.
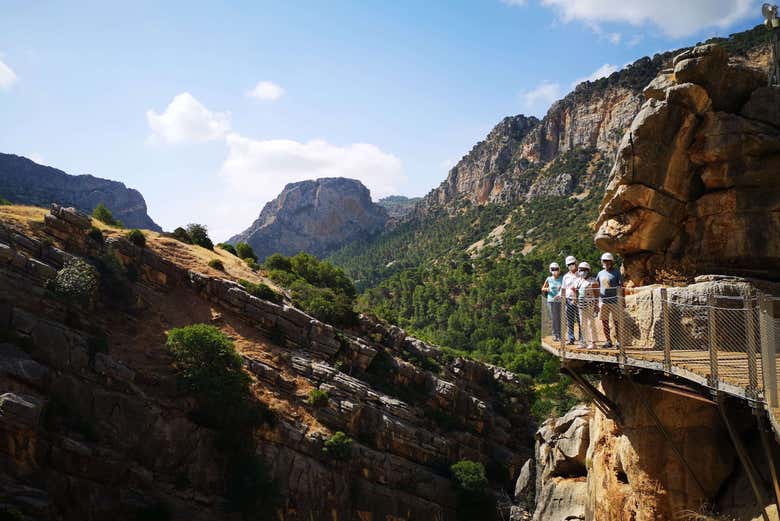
338,446
474,499
4,201
114,280
317,398
323,303
137,237
212,370
95,234
227,247
252,264
245,251
277,261
199,235
77,280
216,264
261,290
104,215
180,234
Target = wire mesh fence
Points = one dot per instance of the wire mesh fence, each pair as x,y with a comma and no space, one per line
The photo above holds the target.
727,341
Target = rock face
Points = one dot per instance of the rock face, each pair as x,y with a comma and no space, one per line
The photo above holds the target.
695,187
510,164
25,182
314,216
90,432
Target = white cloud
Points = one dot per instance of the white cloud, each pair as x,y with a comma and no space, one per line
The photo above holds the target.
7,76
257,171
601,72
536,101
614,38
185,120
266,91
673,17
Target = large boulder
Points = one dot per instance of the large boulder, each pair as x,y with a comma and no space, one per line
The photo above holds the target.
694,188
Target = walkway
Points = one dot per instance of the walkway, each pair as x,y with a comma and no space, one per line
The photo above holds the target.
727,343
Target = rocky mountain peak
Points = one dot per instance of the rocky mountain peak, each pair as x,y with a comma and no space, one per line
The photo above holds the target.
23,181
315,216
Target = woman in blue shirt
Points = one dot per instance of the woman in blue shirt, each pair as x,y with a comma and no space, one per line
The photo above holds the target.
552,288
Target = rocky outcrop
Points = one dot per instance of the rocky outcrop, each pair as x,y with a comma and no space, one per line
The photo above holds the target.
95,431
316,217
398,206
25,182
694,187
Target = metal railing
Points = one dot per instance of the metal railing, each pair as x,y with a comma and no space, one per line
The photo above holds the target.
726,342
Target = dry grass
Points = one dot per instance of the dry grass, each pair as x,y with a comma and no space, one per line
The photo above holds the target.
27,218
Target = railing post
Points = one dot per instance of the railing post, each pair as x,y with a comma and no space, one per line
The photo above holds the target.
768,350
750,333
621,339
667,339
562,315
712,328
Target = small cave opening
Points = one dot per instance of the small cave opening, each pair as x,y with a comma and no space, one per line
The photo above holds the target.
621,476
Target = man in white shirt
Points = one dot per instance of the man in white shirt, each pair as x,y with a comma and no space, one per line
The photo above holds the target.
569,291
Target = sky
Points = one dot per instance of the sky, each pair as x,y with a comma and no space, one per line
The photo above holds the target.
210,108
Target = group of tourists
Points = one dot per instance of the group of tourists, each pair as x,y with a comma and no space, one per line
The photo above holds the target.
584,298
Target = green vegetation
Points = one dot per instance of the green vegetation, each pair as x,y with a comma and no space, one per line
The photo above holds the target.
137,237
211,370
317,398
245,251
216,264
77,281
104,215
261,290
196,234
338,446
4,201
227,247
115,278
317,287
252,264
471,487
96,235
10,513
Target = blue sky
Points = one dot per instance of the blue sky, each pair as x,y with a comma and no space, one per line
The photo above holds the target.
209,109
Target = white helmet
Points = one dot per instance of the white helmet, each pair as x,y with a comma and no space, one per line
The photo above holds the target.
554,265
584,265
607,257
571,259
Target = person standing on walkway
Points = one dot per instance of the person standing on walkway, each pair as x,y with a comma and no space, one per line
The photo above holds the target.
587,295
552,288
569,289
609,281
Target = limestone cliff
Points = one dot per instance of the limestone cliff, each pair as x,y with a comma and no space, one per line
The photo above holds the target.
314,216
93,425
25,182
695,188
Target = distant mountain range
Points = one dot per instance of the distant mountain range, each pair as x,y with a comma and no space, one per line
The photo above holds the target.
23,181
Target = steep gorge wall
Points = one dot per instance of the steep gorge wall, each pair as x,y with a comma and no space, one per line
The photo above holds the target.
130,443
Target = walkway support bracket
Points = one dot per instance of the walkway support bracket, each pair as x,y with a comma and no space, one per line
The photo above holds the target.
605,405
744,458
767,443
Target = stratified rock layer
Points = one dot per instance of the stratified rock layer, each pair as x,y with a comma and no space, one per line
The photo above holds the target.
314,216
695,187
25,182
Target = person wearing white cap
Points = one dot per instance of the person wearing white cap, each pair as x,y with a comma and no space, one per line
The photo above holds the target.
552,288
569,289
609,282
587,294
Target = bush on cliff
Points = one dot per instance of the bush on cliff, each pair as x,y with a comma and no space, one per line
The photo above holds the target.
245,251
261,290
212,370
216,264
77,280
317,287
228,248
104,215
137,237
4,201
471,486
199,235
338,446
181,235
